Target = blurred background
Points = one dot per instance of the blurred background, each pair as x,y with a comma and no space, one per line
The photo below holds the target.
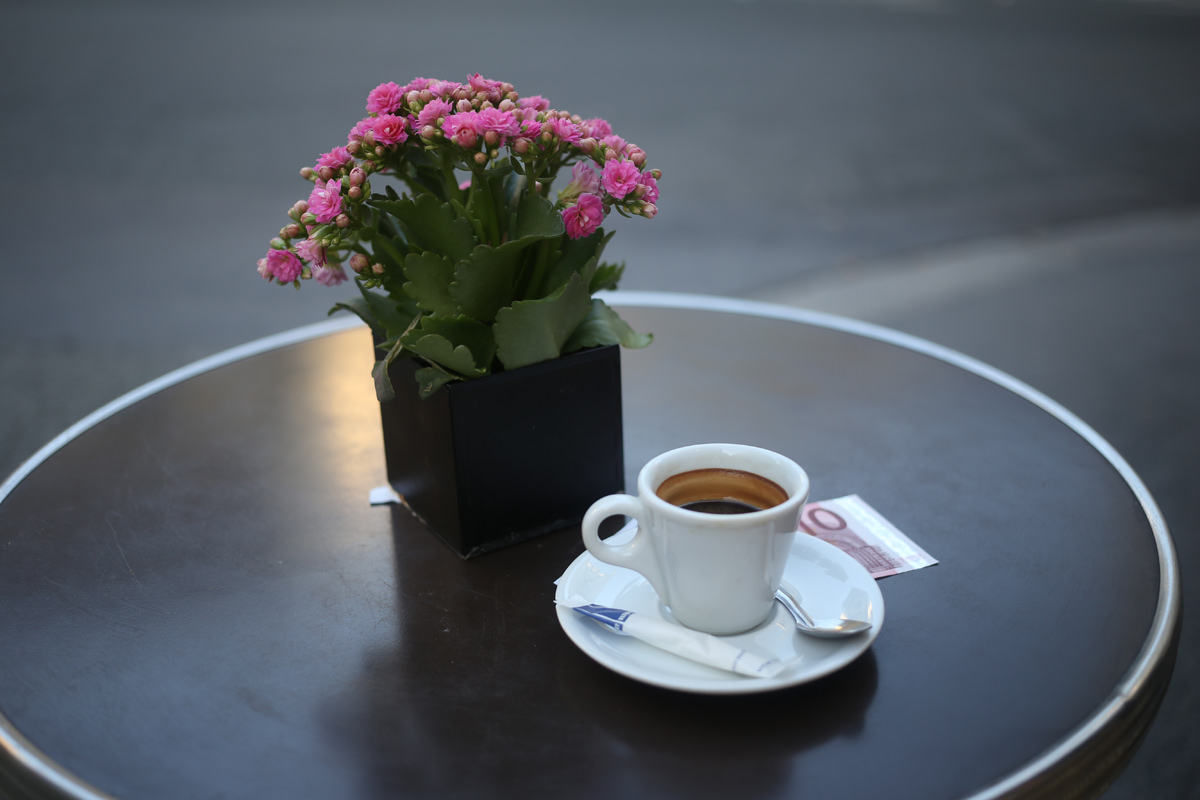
1016,180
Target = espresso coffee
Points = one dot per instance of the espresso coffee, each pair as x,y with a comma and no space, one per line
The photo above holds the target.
721,491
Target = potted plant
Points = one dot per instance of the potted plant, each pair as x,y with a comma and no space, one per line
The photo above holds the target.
497,369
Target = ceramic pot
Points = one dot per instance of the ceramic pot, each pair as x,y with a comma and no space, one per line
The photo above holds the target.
498,460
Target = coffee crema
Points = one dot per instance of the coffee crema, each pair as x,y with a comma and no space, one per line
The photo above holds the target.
715,490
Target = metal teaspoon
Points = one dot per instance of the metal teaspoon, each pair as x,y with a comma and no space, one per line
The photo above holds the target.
825,628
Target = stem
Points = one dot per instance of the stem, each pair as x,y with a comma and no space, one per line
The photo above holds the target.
481,189
533,287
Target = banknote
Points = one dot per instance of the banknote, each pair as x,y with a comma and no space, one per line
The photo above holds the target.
852,526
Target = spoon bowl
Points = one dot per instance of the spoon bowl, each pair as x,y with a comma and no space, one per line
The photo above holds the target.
823,628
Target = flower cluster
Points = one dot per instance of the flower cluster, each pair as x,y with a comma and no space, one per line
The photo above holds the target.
465,127
473,266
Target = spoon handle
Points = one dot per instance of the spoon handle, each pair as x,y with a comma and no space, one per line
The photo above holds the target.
794,608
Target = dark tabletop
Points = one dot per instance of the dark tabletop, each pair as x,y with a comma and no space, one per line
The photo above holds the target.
198,601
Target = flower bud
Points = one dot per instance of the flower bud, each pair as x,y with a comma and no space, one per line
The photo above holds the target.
309,218
429,132
426,95
325,173
353,147
354,192
656,174
358,176
306,173
413,96
278,244
377,268
463,105
640,191
292,231
359,262
638,158
521,146
649,210
610,154
342,221
507,105
381,151
481,158
492,138
588,145
297,210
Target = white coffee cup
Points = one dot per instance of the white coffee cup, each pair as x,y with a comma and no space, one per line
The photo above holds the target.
715,572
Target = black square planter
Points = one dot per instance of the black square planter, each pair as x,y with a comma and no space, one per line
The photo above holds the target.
494,461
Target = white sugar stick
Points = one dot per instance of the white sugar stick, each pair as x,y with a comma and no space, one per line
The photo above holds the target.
702,648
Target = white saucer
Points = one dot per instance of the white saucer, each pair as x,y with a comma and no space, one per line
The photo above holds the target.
828,582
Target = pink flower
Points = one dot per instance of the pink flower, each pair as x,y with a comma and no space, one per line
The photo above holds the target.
283,264
500,122
361,129
615,142
619,178
432,112
531,129
311,251
325,202
584,177
647,180
565,129
417,84
385,98
462,129
390,129
330,275
584,217
336,158
443,88
480,84
596,128
536,102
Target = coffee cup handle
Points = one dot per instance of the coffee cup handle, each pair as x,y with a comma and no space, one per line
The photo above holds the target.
637,554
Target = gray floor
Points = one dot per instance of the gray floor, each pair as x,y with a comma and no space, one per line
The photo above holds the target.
1016,180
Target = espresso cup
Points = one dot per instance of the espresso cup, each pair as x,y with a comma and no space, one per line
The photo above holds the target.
715,526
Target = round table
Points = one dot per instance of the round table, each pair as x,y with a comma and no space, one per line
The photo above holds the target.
197,599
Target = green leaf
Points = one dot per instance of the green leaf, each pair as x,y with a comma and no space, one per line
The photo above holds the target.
457,344
578,256
441,352
484,283
430,224
603,326
607,276
530,331
380,312
389,252
536,217
430,379
429,277
384,391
